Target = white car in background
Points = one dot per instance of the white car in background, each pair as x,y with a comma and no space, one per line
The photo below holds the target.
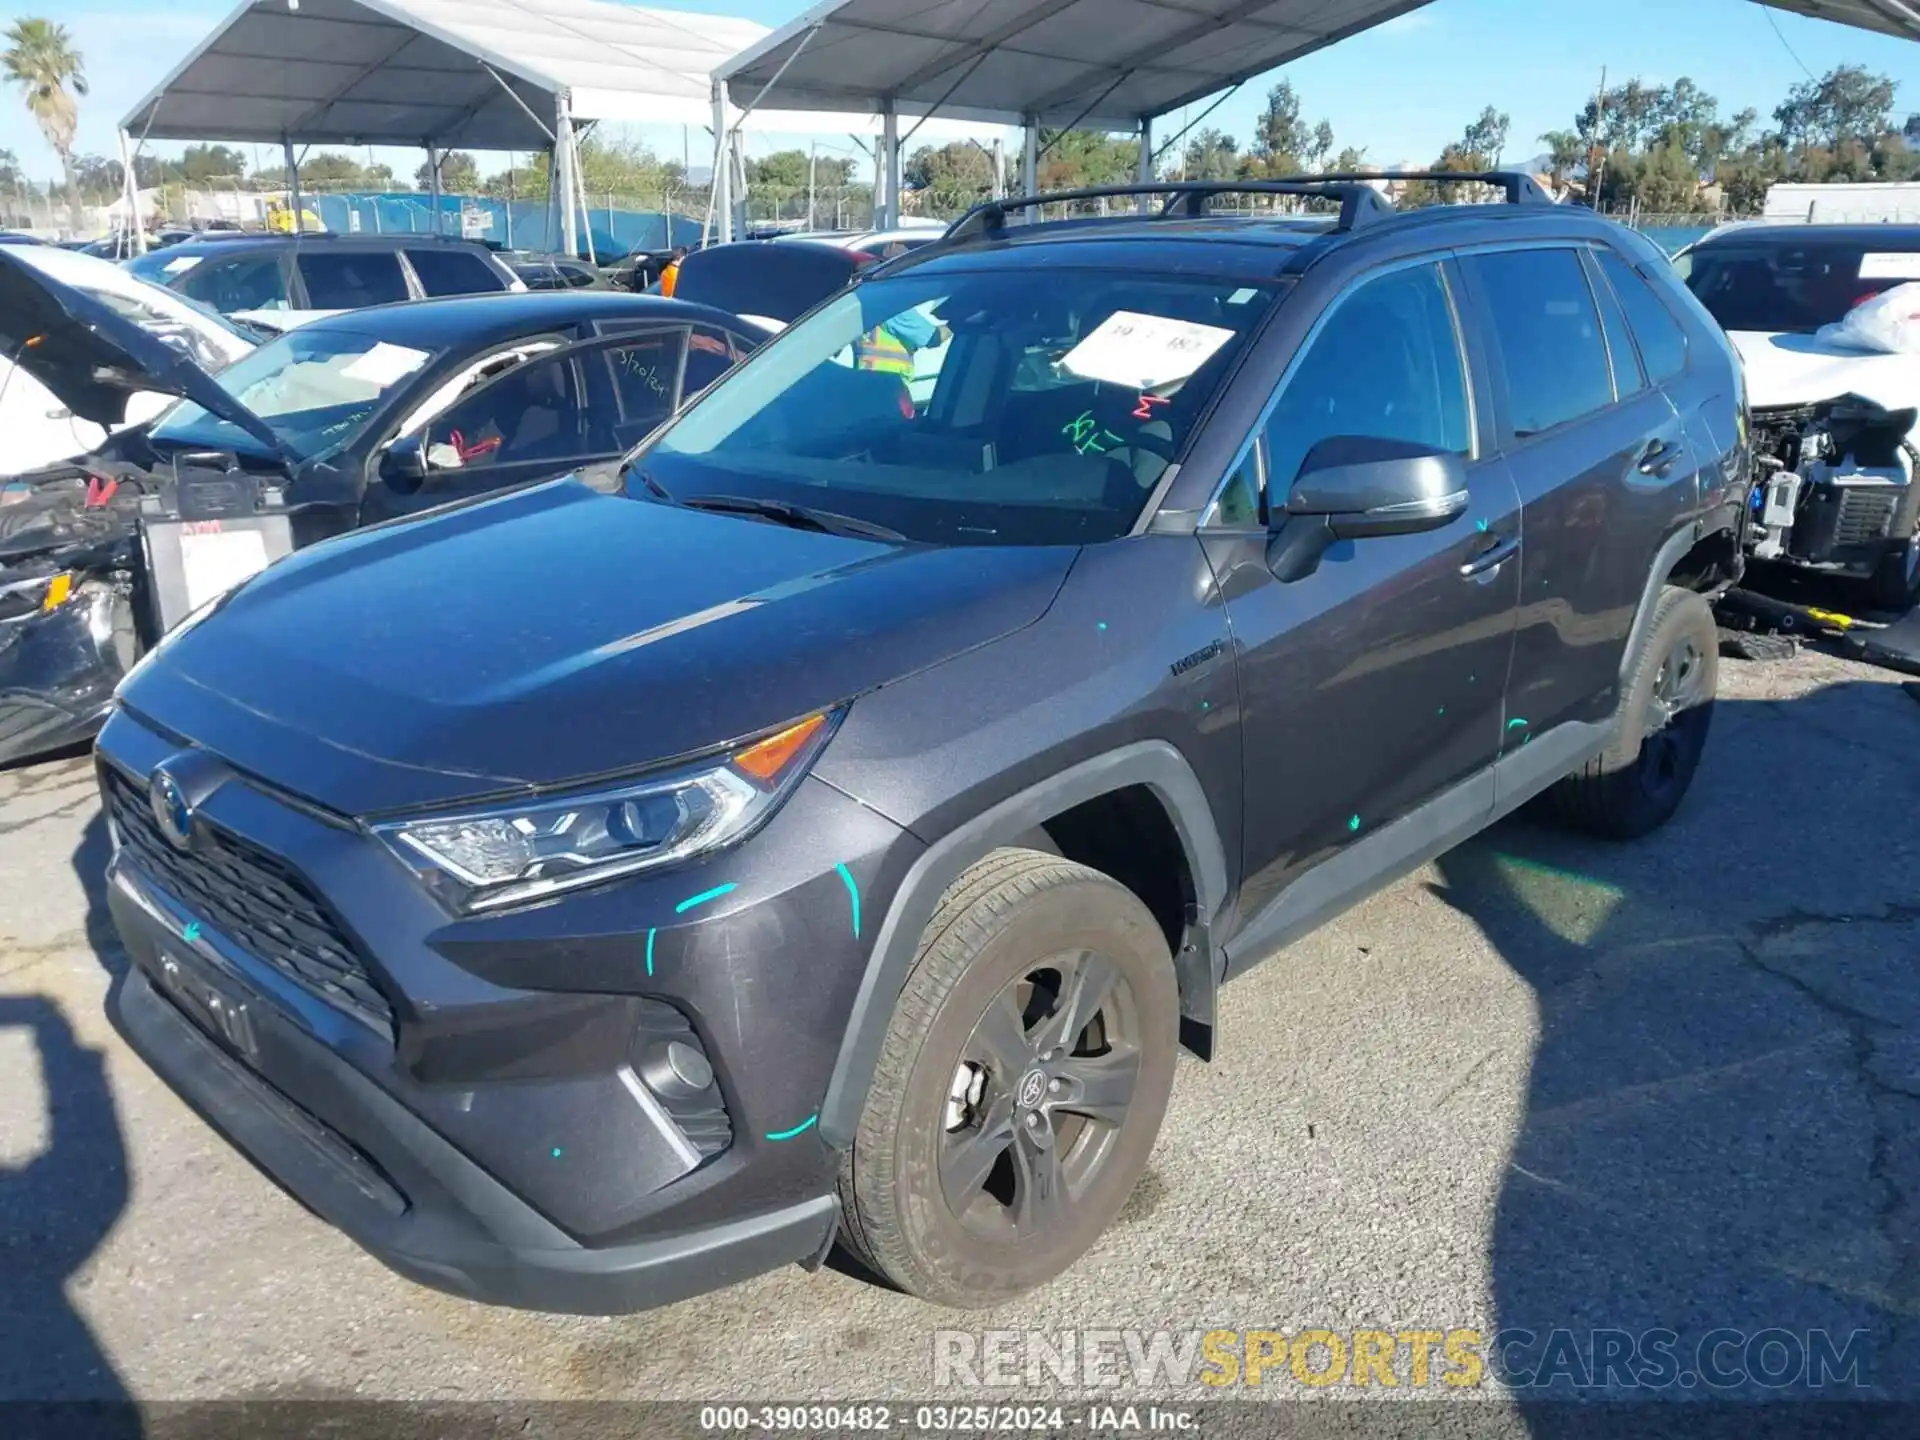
35,428
1836,424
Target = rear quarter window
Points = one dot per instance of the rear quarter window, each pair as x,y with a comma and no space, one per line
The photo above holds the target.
1663,343
454,272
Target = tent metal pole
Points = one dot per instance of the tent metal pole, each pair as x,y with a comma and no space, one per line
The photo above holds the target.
138,238
433,186
563,162
293,180
720,197
1030,160
1146,161
586,201
890,150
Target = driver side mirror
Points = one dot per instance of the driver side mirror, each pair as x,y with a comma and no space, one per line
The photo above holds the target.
404,467
1353,487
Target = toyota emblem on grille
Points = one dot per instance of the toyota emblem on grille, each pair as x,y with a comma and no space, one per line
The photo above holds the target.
170,809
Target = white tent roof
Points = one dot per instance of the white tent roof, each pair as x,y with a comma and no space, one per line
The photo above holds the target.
1889,17
1098,63
414,72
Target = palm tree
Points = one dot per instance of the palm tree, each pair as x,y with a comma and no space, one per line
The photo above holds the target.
1565,153
41,60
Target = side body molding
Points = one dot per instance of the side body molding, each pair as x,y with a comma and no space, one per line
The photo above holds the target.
1152,763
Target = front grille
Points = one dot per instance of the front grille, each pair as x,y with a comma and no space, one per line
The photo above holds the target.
251,898
1866,514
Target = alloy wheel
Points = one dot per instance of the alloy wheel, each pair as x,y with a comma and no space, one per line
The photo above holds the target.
1044,1086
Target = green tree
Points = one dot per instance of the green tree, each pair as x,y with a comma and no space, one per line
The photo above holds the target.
1565,155
42,64
1284,143
1210,155
1079,159
459,174
1847,103
1486,137
955,171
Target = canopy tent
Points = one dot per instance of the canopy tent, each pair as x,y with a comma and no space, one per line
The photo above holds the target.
1889,17
442,74
1104,64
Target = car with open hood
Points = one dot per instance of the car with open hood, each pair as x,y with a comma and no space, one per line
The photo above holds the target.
834,832
36,427
1835,424
350,420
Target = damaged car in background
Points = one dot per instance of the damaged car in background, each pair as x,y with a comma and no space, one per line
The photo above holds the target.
1827,322
360,418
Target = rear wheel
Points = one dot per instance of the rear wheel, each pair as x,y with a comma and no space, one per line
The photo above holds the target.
1666,708
1021,1084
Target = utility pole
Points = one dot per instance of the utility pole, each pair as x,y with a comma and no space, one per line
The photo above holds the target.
1597,171
813,159
999,167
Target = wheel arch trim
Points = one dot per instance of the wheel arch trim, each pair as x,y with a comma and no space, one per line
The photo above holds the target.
1155,764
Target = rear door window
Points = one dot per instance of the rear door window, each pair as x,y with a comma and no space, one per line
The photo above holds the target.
351,279
1662,342
450,271
1548,330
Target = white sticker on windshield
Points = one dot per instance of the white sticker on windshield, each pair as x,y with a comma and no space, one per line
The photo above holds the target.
1890,265
180,264
1241,297
384,364
1144,352
215,563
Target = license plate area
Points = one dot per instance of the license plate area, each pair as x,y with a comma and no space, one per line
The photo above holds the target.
211,1005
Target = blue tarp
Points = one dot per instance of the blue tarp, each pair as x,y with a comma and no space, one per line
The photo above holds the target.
615,232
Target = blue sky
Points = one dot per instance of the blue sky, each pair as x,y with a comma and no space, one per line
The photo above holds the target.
1401,92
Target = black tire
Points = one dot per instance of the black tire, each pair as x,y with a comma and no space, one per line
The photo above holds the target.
992,938
1896,582
1636,784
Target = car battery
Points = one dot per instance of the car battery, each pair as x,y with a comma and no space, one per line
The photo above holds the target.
204,532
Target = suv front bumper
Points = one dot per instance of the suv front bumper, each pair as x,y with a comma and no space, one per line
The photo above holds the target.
408,1197
484,1108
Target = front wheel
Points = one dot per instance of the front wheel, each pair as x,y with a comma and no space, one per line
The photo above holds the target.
1021,1084
1660,730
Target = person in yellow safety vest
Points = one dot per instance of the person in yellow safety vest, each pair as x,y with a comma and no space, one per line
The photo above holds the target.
889,347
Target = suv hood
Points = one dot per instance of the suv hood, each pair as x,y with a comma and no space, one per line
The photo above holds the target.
1793,369
93,360
555,634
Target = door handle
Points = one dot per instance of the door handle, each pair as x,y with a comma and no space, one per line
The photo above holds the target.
1658,458
1491,558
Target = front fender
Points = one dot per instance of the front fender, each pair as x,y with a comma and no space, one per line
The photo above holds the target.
1154,764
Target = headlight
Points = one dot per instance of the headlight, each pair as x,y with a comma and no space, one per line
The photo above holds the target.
508,854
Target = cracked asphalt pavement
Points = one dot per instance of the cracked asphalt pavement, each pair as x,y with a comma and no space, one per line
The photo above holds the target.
1545,1083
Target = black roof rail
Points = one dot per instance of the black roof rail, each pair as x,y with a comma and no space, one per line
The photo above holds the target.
1360,203
1519,187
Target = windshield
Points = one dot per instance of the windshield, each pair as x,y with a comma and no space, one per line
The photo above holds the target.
1796,286
998,407
313,387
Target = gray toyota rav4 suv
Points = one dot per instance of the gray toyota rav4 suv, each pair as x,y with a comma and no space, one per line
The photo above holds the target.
837,833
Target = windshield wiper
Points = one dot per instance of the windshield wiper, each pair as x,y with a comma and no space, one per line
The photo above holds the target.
798,517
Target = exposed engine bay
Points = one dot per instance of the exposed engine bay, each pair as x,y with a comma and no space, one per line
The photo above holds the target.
1834,492
101,556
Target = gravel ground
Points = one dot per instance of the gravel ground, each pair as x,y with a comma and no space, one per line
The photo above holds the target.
1544,1083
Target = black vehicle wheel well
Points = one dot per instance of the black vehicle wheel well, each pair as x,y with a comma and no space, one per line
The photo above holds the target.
1128,834
1710,566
